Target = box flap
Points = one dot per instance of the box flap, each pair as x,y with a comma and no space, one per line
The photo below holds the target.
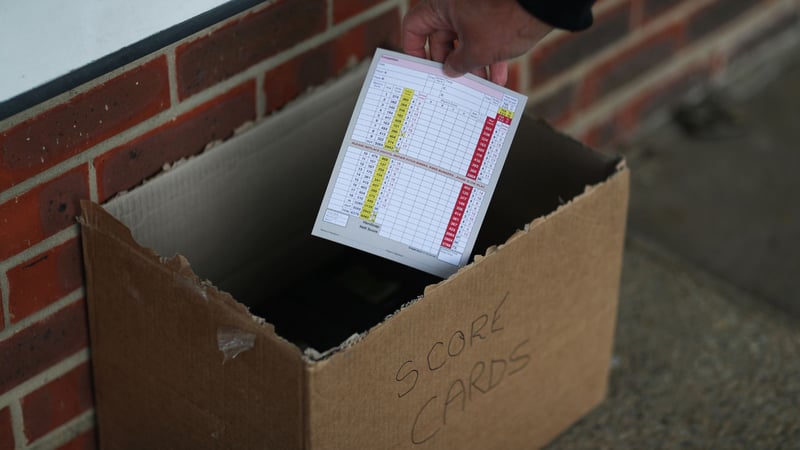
516,345
177,363
246,207
545,170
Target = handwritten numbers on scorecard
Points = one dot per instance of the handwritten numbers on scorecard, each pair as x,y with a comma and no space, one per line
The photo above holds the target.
419,162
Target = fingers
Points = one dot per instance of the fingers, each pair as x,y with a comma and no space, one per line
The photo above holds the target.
480,71
414,44
498,73
417,27
442,49
430,24
457,63
441,43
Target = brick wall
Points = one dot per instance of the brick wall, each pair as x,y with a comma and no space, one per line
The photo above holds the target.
110,134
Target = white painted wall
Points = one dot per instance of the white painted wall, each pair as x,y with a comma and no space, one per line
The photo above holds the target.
43,39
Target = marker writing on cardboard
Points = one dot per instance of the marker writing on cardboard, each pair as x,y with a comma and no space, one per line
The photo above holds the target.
483,377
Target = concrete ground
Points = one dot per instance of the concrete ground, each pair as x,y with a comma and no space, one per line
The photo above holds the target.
707,351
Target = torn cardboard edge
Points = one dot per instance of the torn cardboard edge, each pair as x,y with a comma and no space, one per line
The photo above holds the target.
165,194
235,341
231,340
156,189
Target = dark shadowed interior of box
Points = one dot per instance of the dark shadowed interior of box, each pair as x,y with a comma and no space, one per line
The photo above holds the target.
242,214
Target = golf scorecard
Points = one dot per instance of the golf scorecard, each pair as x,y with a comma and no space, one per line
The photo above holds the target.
419,163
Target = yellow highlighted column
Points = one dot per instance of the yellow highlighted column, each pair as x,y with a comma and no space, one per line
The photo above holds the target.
399,118
506,113
368,209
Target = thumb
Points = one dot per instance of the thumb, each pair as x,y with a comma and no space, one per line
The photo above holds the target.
458,62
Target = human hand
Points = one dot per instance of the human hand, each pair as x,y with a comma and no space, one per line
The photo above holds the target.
488,34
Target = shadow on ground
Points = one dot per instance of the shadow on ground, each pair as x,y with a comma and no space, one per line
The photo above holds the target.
707,350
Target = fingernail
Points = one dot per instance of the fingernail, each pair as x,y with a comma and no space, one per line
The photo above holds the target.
451,72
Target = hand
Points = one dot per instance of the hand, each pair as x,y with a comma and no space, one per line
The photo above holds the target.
472,35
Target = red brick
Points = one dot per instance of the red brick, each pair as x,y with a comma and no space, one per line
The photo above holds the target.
6,432
651,9
128,165
554,58
344,9
602,135
789,20
285,82
57,402
41,212
2,313
664,95
383,31
361,41
235,47
83,121
625,121
629,64
85,441
43,344
44,279
556,106
716,15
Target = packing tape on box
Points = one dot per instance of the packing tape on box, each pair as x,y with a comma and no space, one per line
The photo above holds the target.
233,341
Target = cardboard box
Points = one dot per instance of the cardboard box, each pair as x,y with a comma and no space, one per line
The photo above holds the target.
504,354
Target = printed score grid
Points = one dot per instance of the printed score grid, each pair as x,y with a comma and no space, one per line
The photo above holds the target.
419,162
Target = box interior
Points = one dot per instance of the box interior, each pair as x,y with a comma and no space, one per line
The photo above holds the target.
242,214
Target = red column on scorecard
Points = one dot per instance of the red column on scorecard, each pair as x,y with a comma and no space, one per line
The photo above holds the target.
458,214
480,148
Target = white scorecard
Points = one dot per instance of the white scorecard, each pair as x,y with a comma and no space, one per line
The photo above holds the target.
419,163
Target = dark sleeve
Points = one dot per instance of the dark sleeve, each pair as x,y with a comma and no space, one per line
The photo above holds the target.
572,15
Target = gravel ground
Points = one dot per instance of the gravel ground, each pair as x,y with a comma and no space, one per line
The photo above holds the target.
697,364
707,350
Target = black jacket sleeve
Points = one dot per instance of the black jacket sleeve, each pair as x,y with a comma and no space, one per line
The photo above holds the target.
572,15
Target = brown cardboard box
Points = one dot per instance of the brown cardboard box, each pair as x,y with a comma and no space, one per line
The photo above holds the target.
504,354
